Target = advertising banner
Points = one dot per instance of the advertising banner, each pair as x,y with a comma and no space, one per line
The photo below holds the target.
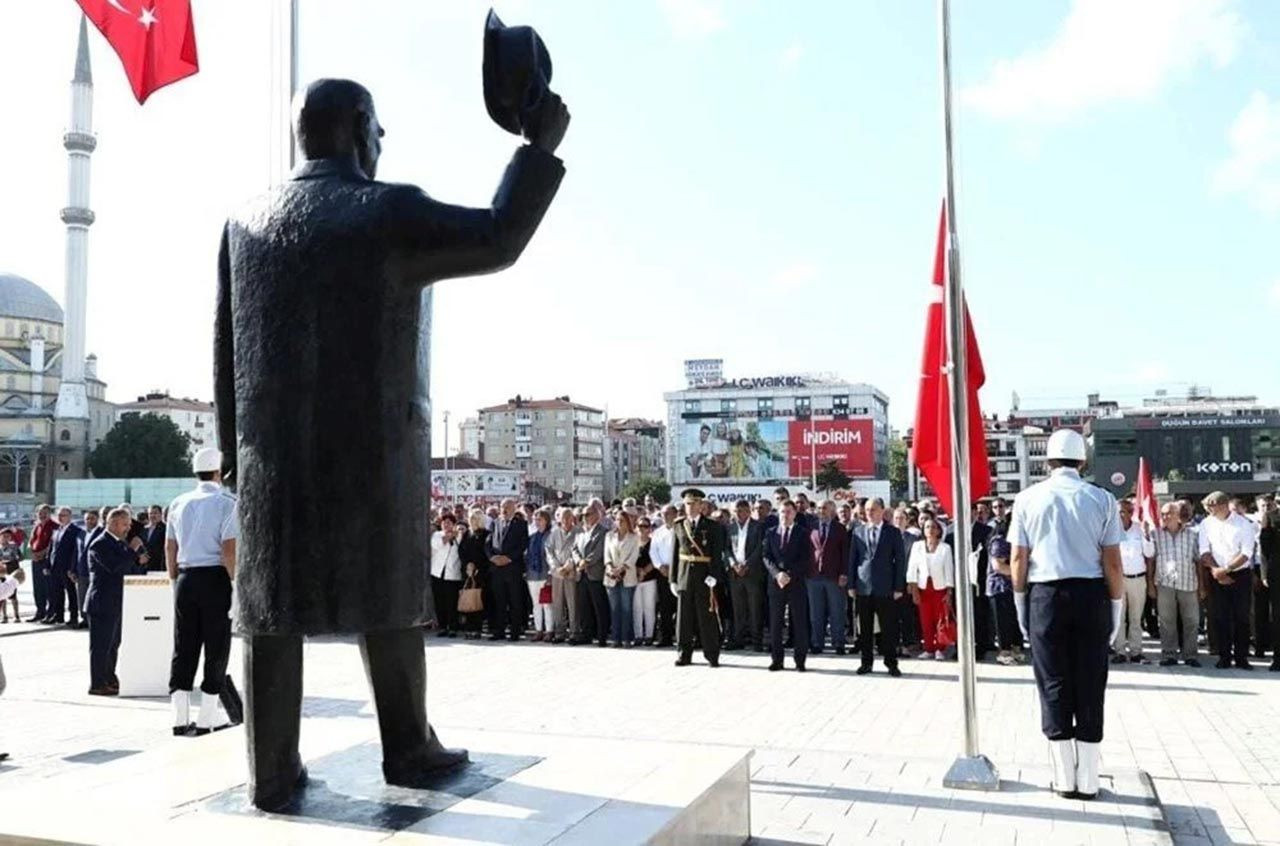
729,449
850,443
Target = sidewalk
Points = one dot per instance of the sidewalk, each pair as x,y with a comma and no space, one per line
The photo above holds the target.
838,758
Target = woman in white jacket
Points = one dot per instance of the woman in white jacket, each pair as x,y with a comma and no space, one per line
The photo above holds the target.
931,578
621,548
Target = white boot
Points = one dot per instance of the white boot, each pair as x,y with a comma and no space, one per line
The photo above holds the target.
1088,755
181,702
1063,755
209,719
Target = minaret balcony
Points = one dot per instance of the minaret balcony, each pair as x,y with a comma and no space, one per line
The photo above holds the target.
83,217
82,142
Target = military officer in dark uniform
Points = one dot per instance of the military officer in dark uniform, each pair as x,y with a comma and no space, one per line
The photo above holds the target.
696,568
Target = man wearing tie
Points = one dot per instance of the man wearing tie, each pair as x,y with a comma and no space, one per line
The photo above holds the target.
828,579
879,580
109,560
506,577
788,558
66,548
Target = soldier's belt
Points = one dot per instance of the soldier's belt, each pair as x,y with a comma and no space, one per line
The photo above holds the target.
696,559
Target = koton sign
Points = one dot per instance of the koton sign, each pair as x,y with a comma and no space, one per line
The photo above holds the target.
850,443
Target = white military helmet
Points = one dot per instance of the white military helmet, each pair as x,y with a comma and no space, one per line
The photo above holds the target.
207,460
1066,444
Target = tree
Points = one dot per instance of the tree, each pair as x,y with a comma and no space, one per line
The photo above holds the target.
831,477
142,446
898,468
642,486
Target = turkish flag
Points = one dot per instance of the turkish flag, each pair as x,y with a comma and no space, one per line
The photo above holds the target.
931,440
1148,509
155,39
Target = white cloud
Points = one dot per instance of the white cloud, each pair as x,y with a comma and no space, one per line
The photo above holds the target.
791,56
1253,167
693,18
1108,51
795,276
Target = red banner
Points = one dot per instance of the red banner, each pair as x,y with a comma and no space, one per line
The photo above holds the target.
850,443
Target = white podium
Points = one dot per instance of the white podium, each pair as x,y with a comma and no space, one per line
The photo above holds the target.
146,636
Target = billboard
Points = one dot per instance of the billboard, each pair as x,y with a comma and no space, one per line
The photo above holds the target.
728,449
850,443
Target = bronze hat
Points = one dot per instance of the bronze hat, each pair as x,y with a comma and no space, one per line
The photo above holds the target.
517,70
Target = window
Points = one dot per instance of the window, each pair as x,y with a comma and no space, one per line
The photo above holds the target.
803,406
840,402
728,405
1226,447
764,406
693,405
66,435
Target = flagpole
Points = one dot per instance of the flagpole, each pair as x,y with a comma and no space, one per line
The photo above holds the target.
293,79
972,770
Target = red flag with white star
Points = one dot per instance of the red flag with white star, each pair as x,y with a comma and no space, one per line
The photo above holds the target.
155,39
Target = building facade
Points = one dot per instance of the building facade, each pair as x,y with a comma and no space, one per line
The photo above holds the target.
772,430
473,482
556,443
471,438
196,419
633,447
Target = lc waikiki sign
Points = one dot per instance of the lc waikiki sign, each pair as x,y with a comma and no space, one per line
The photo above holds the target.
850,443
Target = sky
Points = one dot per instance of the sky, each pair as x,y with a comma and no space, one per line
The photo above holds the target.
749,180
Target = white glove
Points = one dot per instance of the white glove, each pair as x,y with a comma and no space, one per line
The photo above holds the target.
1117,611
709,581
1020,604
674,590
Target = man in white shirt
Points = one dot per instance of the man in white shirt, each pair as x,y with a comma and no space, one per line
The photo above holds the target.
1137,552
661,552
1226,550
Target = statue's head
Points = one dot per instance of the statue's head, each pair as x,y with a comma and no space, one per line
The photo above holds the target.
335,117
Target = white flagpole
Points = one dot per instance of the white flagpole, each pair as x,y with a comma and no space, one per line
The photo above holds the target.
972,770
293,80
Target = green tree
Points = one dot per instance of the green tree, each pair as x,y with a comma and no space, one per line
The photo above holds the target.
898,468
642,486
142,446
831,477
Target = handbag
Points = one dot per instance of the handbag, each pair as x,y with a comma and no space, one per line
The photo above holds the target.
946,632
544,594
470,600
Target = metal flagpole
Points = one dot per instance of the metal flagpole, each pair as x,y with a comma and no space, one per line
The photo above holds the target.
972,770
293,79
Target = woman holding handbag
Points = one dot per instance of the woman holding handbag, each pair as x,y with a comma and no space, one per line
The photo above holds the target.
621,549
931,579
475,563
536,575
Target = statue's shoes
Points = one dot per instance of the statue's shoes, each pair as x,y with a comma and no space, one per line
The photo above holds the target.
426,771
278,794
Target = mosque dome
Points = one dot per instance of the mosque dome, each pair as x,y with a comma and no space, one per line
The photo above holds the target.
25,300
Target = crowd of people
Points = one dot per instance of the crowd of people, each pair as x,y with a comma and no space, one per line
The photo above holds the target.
869,577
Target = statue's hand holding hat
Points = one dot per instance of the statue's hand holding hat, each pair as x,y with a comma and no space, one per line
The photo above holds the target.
517,78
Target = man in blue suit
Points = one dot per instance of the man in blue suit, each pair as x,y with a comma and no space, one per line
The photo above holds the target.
66,549
788,557
506,547
878,576
92,531
109,560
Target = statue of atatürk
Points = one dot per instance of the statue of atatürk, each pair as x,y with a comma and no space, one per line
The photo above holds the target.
320,372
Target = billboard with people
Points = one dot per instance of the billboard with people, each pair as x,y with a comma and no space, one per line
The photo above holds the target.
746,449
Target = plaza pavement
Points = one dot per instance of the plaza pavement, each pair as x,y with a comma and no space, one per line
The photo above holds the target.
838,758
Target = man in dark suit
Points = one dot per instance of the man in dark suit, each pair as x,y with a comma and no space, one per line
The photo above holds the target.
979,535
593,599
299,269
506,546
828,580
746,584
93,529
788,557
109,560
153,535
879,579
66,549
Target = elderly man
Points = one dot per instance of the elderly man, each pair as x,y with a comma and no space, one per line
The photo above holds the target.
1177,580
1136,551
588,558
1226,543
564,576
505,548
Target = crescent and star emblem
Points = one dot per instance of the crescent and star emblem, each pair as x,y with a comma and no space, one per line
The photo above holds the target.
146,18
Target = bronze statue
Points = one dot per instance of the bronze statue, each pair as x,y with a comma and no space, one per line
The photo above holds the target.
320,373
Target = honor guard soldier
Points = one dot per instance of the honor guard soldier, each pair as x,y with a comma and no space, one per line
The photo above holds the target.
695,569
1068,581
200,555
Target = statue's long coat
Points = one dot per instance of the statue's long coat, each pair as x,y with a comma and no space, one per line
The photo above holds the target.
320,370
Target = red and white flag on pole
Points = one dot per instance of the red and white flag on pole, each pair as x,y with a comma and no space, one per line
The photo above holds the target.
1148,509
931,441
155,39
